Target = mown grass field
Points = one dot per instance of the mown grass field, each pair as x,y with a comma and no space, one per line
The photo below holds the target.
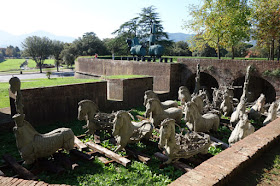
33,83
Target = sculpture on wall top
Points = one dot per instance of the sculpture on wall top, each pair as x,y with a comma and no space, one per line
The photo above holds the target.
127,131
135,47
154,49
33,145
178,146
15,89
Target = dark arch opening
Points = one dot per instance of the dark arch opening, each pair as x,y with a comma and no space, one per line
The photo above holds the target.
257,85
207,82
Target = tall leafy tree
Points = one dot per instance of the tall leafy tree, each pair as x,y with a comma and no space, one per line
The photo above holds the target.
266,23
39,48
57,47
220,23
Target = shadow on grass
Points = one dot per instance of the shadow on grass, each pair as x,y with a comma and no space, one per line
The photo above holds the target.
260,170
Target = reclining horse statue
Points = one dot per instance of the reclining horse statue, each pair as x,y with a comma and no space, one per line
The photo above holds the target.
127,131
165,105
272,113
157,114
33,145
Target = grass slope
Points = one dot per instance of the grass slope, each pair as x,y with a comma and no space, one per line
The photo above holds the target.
4,94
14,64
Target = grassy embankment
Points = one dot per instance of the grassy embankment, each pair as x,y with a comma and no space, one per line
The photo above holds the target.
33,83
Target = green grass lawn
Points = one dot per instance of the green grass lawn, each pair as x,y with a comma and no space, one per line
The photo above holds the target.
14,64
33,83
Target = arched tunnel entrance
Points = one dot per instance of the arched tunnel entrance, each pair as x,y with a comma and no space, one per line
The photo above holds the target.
207,82
257,85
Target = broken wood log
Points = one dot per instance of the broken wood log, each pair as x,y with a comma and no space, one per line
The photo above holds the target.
104,160
81,155
177,164
1,173
223,144
109,153
81,136
21,171
139,155
79,144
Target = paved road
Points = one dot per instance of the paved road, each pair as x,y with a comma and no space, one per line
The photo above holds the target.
6,78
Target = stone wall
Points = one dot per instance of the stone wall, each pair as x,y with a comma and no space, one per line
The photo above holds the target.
60,103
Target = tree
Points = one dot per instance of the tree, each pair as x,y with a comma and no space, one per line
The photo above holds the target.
181,48
9,51
266,23
220,23
68,54
38,48
140,27
57,47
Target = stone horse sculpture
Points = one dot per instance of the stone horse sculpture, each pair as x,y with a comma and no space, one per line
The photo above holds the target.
158,114
86,111
33,145
257,109
240,109
184,95
178,146
272,113
241,130
200,123
165,105
198,100
127,131
227,105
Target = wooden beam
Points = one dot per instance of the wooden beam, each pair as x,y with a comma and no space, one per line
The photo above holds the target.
223,144
139,155
79,144
105,161
21,171
109,153
177,164
1,173
82,155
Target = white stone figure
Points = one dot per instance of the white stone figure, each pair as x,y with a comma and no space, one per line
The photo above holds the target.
165,104
15,89
33,145
157,114
184,95
227,105
86,111
198,100
200,123
272,113
178,146
127,131
217,97
240,109
241,130
257,109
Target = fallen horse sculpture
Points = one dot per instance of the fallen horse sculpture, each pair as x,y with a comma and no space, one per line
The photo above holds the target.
178,146
33,145
165,105
127,131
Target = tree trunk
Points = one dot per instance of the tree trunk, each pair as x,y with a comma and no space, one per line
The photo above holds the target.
40,66
278,53
218,44
232,50
57,64
272,50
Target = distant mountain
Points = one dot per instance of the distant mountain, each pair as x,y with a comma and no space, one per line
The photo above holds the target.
7,39
180,36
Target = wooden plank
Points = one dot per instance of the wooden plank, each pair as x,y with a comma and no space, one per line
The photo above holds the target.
79,144
109,154
139,155
179,165
81,136
23,172
96,139
223,144
82,155
1,173
105,161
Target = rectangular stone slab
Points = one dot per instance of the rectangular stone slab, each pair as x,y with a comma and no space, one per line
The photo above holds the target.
109,153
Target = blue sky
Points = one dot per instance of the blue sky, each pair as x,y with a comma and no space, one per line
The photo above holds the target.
75,17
